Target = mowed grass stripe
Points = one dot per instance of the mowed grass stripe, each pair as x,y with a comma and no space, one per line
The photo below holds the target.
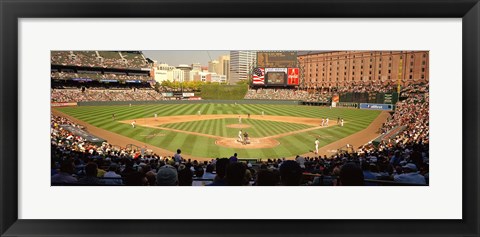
223,125
207,127
168,139
262,128
183,110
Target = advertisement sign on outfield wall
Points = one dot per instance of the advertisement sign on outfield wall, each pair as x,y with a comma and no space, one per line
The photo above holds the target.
188,94
293,76
167,94
376,106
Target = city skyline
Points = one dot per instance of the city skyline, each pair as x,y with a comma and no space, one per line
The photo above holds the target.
177,57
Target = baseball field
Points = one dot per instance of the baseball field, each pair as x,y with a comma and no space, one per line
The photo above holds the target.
274,130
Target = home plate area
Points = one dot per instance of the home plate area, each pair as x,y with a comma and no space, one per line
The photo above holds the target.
255,143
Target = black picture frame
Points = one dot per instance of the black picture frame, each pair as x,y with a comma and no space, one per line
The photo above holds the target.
11,11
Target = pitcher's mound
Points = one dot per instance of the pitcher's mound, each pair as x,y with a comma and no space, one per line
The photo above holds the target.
255,143
238,126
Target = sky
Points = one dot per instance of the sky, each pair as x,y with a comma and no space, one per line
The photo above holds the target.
177,57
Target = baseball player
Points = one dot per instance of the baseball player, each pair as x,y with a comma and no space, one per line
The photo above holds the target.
263,113
316,145
245,136
155,115
240,138
341,122
113,116
199,113
326,122
133,123
239,120
323,122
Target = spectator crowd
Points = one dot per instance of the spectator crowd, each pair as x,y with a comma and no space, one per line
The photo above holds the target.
102,59
103,94
98,76
287,94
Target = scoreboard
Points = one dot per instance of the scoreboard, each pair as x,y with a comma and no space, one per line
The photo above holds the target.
276,68
276,59
275,76
370,97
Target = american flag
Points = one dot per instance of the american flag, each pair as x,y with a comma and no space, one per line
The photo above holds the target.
258,76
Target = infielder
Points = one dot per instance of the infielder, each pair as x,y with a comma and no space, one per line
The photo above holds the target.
155,115
133,123
239,120
326,122
323,122
316,145
341,122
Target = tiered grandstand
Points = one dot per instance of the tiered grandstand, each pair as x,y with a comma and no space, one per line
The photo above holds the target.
100,59
79,76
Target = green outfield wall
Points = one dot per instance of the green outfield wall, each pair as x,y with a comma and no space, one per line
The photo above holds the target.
223,92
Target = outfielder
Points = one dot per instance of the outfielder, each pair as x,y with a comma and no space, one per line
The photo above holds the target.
341,122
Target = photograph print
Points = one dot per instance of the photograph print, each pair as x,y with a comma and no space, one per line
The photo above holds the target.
239,118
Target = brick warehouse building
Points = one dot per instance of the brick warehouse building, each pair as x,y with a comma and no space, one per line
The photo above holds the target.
343,68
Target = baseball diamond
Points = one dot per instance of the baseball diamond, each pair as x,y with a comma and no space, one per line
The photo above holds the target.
283,130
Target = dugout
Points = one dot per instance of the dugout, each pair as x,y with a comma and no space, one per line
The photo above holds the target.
83,134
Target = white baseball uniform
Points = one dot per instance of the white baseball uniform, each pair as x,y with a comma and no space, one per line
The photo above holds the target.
316,146
326,123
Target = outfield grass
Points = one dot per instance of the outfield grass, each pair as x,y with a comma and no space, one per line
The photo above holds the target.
300,143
